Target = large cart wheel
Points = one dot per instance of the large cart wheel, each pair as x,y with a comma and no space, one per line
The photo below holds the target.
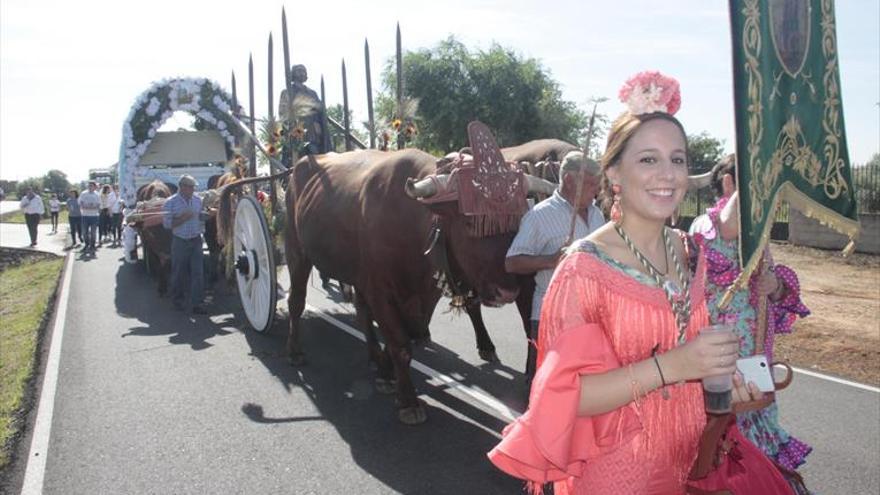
254,264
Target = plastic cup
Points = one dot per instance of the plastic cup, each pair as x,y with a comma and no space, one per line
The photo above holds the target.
717,390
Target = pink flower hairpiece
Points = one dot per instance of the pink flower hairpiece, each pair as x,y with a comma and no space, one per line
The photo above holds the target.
650,91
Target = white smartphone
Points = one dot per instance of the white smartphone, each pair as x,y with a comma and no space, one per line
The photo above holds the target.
755,369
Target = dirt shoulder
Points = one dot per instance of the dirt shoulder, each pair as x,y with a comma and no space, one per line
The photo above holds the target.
842,335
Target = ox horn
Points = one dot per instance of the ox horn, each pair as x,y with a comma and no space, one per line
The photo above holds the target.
426,187
699,181
540,186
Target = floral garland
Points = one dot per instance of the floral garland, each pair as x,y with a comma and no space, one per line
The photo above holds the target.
200,97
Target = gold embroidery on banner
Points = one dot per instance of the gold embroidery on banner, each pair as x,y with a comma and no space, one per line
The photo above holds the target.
793,151
835,183
752,50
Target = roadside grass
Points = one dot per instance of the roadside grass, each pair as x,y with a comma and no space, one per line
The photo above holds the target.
18,217
25,291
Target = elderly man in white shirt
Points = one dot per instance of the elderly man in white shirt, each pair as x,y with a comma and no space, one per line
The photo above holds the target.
32,206
545,230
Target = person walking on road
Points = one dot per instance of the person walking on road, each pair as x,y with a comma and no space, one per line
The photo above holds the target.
544,231
74,217
54,210
104,215
116,204
90,208
183,218
32,206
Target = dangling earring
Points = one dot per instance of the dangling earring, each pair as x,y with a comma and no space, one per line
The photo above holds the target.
674,219
616,210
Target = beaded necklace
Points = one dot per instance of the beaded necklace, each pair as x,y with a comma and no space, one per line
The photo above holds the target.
679,300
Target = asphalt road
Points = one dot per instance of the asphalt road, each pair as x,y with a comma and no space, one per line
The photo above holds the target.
151,400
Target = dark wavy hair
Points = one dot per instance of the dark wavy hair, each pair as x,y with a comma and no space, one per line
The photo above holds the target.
726,166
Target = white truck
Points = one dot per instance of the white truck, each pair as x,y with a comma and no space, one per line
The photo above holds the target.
201,154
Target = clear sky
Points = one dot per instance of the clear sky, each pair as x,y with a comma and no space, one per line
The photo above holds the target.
70,70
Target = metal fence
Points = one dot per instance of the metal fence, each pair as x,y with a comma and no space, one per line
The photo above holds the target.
867,185
865,179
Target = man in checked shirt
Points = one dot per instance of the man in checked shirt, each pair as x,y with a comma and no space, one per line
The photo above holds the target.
182,217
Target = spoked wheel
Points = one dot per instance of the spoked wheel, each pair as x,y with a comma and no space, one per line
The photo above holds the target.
254,264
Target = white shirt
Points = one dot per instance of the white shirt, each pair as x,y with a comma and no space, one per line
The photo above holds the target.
54,205
114,202
543,231
89,204
32,206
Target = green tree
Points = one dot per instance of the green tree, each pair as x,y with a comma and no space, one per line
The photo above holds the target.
600,124
56,182
337,137
515,96
704,151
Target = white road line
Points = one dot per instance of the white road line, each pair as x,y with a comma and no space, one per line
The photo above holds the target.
836,380
36,464
505,412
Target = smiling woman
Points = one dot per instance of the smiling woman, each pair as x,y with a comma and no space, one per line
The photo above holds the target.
616,404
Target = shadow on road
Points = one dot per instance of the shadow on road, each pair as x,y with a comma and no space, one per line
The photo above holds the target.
410,460
136,297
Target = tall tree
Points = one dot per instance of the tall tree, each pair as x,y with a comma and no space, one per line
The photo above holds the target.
704,151
515,96
56,181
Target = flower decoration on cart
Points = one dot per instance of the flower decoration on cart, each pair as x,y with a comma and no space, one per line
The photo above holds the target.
200,97
402,127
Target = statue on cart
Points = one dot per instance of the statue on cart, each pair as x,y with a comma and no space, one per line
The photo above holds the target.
303,116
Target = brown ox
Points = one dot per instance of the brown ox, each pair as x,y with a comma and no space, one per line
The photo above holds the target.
377,245
155,238
541,156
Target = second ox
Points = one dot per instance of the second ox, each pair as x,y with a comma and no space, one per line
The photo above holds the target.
354,216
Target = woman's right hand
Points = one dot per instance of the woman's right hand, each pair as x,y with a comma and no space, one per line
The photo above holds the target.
709,354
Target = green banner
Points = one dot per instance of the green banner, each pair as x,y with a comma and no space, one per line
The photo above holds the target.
790,139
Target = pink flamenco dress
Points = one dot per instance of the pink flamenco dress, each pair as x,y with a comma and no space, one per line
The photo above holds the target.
599,315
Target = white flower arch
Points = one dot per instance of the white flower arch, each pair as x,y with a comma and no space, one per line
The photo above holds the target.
200,97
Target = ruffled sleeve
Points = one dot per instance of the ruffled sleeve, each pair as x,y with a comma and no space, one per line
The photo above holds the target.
550,442
785,311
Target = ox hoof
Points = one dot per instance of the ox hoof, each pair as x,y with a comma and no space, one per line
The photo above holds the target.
412,416
386,387
489,356
297,359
